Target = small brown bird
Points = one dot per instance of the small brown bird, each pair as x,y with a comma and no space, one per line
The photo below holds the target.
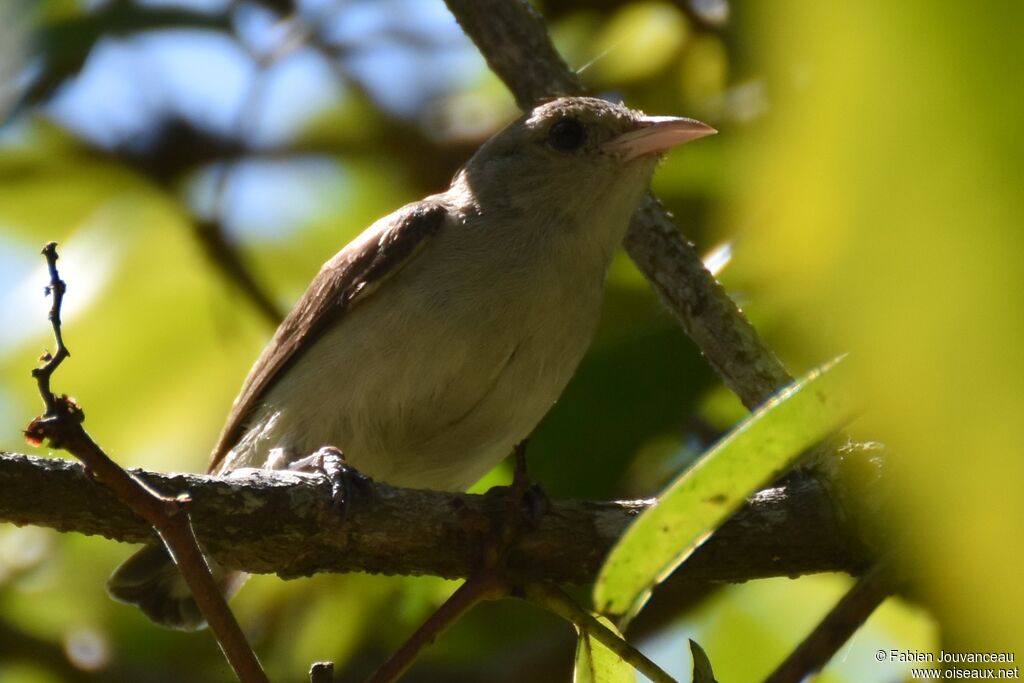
437,340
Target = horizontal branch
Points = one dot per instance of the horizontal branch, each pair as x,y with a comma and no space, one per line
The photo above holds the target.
284,523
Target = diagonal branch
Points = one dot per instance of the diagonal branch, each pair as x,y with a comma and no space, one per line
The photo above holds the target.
848,615
476,589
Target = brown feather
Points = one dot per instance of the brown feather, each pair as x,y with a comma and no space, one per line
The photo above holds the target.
339,285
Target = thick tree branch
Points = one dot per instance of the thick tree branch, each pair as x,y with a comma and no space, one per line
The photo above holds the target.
284,523
513,39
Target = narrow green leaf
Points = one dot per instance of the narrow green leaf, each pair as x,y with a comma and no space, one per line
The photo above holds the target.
702,672
755,453
595,663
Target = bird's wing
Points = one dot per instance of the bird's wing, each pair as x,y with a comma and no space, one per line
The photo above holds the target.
347,278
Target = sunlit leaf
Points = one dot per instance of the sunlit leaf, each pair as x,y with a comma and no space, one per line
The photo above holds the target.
595,663
701,499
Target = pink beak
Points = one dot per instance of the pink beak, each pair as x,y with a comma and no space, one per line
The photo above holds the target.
656,134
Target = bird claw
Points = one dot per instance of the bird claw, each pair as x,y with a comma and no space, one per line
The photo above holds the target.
524,504
527,502
346,481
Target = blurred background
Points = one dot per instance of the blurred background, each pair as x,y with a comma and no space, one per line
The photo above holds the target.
197,160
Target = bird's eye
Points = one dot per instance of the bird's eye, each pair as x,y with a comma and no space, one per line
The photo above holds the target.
567,134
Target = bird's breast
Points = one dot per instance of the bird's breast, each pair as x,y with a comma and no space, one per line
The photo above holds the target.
432,380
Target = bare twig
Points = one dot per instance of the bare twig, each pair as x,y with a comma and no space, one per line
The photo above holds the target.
61,425
477,588
56,290
836,628
513,39
557,601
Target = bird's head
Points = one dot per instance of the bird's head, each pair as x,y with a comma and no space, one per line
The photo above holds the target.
577,157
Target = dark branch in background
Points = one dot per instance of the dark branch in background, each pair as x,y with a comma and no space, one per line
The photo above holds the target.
61,425
512,37
68,42
836,628
180,148
284,523
69,38
225,257
177,148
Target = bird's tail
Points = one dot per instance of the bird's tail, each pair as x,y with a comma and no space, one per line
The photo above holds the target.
150,580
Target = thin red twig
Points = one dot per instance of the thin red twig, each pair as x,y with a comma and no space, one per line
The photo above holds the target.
61,425
483,586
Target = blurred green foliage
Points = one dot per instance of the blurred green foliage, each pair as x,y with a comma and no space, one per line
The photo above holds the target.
883,203
867,172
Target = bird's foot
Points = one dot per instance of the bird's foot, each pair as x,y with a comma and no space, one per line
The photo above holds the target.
527,503
534,504
346,481
524,506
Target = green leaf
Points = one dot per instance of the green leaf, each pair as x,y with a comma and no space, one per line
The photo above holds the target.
702,672
755,453
595,663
